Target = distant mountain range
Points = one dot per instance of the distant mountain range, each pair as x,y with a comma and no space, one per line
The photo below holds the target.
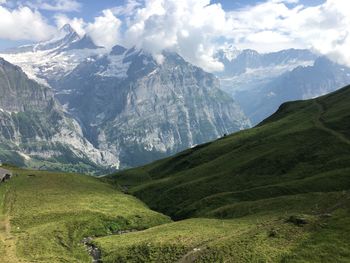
127,107
261,82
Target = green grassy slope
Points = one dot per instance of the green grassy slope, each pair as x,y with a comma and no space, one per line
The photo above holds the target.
266,234
250,193
302,148
43,218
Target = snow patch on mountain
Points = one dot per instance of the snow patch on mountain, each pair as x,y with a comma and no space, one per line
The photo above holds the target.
116,68
254,77
229,52
51,60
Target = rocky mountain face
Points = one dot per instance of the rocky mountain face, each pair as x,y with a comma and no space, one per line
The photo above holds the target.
260,83
36,132
126,106
142,110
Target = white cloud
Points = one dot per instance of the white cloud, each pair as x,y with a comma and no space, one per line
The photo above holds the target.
2,2
189,27
193,27
24,24
273,25
285,1
128,8
327,29
104,31
196,28
56,5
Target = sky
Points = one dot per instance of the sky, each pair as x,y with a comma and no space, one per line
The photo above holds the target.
195,29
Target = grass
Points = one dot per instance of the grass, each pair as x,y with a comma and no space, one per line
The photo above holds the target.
200,240
254,234
329,244
167,243
50,214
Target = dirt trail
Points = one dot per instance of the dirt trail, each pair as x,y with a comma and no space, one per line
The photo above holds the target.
320,123
7,239
8,242
192,255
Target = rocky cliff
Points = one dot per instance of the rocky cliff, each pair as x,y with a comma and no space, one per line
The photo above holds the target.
35,130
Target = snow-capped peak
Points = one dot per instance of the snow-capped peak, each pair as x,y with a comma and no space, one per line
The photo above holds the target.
50,60
65,37
229,51
67,29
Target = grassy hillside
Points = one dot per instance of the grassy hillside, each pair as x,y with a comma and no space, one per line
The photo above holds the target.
44,216
276,193
271,233
303,148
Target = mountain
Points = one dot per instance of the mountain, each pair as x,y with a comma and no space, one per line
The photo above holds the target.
35,130
303,148
323,77
247,69
143,110
261,82
238,62
126,102
46,62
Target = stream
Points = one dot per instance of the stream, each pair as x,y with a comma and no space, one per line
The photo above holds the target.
94,251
